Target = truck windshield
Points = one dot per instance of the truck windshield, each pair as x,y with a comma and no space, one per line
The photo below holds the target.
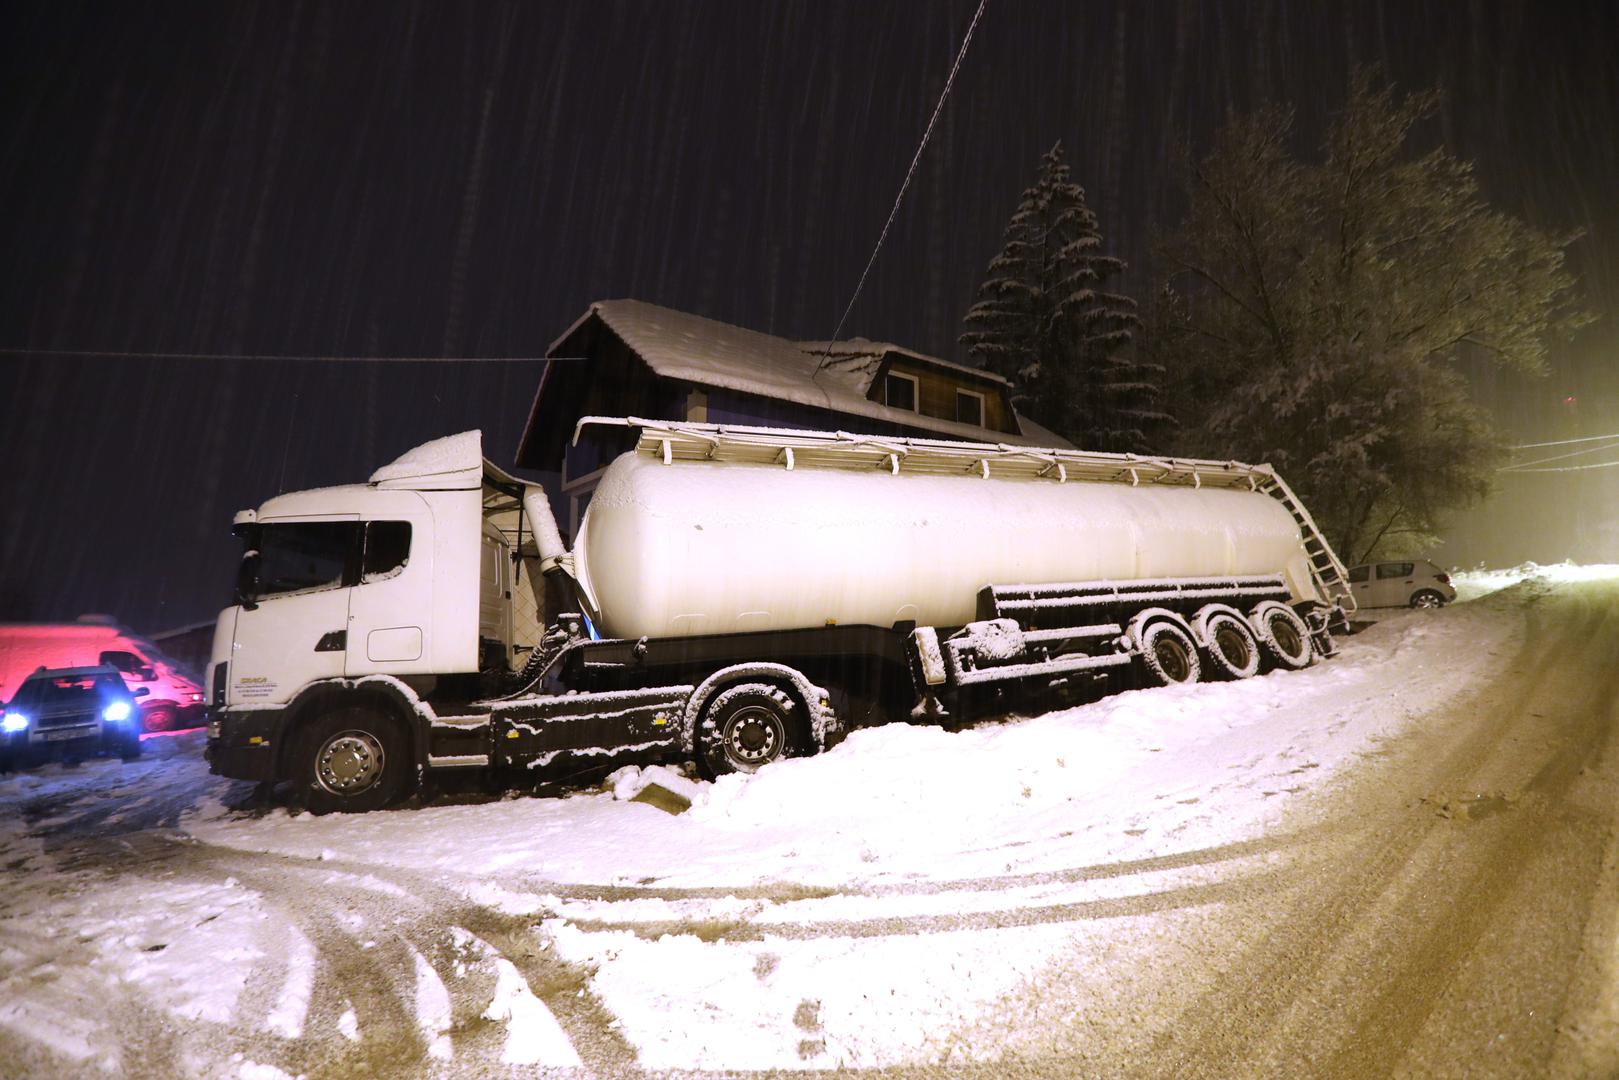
296,556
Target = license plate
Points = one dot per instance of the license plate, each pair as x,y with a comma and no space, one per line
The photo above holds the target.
59,736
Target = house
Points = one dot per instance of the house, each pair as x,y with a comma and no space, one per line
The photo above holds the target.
629,358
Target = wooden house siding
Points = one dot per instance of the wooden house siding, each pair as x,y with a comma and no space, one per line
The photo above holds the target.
937,388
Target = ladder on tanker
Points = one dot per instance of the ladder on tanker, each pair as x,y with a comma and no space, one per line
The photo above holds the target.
673,441
1330,576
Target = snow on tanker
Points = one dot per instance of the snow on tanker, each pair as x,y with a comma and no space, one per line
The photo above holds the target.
735,595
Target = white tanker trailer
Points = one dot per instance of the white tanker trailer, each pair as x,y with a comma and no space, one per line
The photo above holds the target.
735,595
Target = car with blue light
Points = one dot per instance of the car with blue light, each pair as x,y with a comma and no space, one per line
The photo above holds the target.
67,714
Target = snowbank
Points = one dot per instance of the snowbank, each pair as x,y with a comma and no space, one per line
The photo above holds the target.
1473,584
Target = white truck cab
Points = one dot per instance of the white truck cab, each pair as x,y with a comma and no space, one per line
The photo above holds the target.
408,577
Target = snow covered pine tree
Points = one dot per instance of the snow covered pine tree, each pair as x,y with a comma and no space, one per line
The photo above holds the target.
1043,320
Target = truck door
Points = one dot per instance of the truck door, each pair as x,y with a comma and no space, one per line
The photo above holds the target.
390,608
293,591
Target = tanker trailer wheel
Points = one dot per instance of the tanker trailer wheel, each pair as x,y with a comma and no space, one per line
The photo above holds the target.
1168,657
351,759
1283,635
744,728
1231,648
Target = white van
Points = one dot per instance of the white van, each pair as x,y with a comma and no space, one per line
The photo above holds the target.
1418,584
171,700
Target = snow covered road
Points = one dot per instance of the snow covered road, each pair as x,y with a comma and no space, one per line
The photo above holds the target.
1402,861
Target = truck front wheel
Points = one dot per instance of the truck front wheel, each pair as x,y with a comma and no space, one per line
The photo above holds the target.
352,759
745,728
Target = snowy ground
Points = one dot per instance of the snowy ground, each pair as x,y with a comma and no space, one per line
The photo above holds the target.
908,899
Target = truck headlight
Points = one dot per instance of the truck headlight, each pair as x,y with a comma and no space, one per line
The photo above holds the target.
13,722
117,712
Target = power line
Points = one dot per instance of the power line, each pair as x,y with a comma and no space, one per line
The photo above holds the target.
1569,468
1562,442
1607,445
111,354
909,173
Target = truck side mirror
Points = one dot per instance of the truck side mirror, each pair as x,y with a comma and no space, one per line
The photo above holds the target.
140,691
247,579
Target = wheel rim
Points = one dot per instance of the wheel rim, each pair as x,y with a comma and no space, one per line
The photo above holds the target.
753,736
1172,658
349,763
1425,600
1286,636
1232,645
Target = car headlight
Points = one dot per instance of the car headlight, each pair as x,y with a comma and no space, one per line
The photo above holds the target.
117,712
13,722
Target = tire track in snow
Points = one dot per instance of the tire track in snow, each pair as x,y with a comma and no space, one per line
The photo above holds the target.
1344,980
413,922
726,927
359,967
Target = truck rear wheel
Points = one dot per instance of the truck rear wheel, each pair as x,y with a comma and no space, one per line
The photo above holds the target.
1232,651
1283,635
745,728
1168,657
352,759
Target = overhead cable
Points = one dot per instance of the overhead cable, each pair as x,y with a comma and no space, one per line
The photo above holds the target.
1562,442
93,354
1606,446
1567,468
909,173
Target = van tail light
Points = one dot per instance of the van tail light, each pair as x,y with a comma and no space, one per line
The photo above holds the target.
1444,579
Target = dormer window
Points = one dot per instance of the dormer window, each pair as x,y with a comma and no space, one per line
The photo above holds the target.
901,391
970,407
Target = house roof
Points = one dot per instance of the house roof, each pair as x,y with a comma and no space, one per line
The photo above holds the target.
831,375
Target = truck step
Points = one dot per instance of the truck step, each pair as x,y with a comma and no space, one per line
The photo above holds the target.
458,761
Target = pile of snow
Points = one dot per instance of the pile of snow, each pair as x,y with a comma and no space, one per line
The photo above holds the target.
1473,584
630,781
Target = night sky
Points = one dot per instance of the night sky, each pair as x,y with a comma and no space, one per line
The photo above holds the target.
419,179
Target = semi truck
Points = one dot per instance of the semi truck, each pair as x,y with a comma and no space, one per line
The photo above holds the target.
734,595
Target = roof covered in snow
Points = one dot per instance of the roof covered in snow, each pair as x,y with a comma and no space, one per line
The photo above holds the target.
835,376
453,461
